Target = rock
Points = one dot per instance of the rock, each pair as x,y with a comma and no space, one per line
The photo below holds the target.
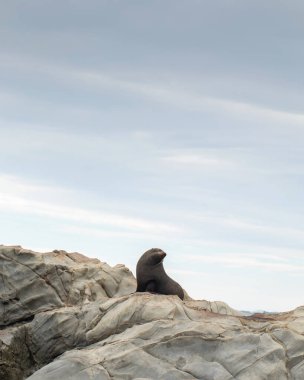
94,327
32,282
136,339
32,285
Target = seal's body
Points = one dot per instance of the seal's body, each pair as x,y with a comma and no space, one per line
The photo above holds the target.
151,275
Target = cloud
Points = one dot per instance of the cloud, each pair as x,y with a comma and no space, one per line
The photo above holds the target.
248,261
102,232
195,159
255,249
178,97
17,136
187,272
18,196
239,223
175,94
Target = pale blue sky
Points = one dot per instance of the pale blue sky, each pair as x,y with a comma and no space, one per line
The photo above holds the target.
126,125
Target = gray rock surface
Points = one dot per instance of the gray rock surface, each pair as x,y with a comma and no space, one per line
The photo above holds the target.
85,322
32,282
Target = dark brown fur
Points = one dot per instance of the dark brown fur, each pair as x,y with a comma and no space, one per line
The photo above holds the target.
151,275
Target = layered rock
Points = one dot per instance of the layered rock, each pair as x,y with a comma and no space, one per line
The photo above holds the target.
32,282
103,330
43,300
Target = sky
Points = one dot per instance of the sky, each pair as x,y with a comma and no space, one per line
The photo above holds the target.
177,124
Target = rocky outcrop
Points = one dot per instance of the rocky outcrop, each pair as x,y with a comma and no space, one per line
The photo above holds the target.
32,282
45,299
85,322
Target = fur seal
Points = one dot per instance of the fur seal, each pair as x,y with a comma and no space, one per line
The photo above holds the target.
151,275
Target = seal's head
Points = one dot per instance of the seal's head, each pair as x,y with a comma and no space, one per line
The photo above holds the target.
150,269
154,256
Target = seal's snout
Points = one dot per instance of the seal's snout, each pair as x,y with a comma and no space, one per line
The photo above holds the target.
162,255
156,256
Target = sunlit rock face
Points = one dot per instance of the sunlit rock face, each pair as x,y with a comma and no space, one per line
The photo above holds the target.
65,316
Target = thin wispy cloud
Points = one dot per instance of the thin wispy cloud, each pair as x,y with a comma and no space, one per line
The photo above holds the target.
246,261
100,233
15,196
106,232
254,226
277,252
187,272
174,95
43,138
192,159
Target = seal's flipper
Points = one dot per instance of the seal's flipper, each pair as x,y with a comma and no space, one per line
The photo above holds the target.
151,287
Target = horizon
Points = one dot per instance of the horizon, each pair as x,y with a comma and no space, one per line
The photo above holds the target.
177,125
